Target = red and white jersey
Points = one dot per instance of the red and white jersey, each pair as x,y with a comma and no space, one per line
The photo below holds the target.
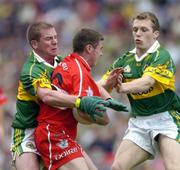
71,76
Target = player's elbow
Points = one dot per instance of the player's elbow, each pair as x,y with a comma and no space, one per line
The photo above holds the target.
47,99
146,86
148,82
45,95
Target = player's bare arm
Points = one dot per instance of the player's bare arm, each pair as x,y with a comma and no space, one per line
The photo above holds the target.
104,93
56,98
139,85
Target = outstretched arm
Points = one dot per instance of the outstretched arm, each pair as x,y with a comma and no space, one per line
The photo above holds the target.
56,98
139,85
104,93
90,105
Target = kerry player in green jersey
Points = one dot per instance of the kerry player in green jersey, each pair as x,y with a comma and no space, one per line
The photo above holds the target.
35,86
149,83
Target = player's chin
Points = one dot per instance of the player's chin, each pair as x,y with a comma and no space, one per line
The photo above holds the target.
53,52
84,118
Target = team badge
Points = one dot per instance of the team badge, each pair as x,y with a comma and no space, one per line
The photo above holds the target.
89,91
30,145
63,143
127,69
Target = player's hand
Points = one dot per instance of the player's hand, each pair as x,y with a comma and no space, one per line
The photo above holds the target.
119,83
118,88
115,77
93,106
115,105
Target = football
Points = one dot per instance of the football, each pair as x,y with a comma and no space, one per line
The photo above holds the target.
84,118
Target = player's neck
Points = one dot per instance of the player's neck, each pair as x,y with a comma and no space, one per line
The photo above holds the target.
49,60
140,52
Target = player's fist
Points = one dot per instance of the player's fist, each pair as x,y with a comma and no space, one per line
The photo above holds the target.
115,77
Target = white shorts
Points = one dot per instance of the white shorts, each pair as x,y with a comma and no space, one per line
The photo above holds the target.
23,141
143,130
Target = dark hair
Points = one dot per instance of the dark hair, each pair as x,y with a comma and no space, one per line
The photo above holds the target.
34,30
84,37
150,16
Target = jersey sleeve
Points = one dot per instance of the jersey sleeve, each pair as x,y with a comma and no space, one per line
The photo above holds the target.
34,77
162,68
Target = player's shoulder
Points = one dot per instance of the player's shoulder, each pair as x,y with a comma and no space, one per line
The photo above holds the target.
32,66
68,62
163,53
29,64
161,56
65,65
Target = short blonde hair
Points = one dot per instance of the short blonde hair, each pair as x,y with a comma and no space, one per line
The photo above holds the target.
150,16
34,30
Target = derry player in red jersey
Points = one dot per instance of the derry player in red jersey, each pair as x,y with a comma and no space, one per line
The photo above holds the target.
57,128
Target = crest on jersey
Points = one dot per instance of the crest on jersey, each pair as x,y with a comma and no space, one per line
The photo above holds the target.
30,145
127,69
89,91
63,143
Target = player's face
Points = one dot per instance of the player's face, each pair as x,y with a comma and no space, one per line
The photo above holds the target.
47,46
96,53
143,34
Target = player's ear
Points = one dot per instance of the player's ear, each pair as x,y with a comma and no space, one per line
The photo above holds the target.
156,34
89,48
34,44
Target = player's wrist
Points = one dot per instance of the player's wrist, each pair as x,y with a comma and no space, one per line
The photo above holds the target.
107,87
77,102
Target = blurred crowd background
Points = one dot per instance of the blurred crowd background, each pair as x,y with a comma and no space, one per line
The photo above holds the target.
110,17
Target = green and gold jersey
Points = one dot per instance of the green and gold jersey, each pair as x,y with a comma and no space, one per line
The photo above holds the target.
35,72
161,96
